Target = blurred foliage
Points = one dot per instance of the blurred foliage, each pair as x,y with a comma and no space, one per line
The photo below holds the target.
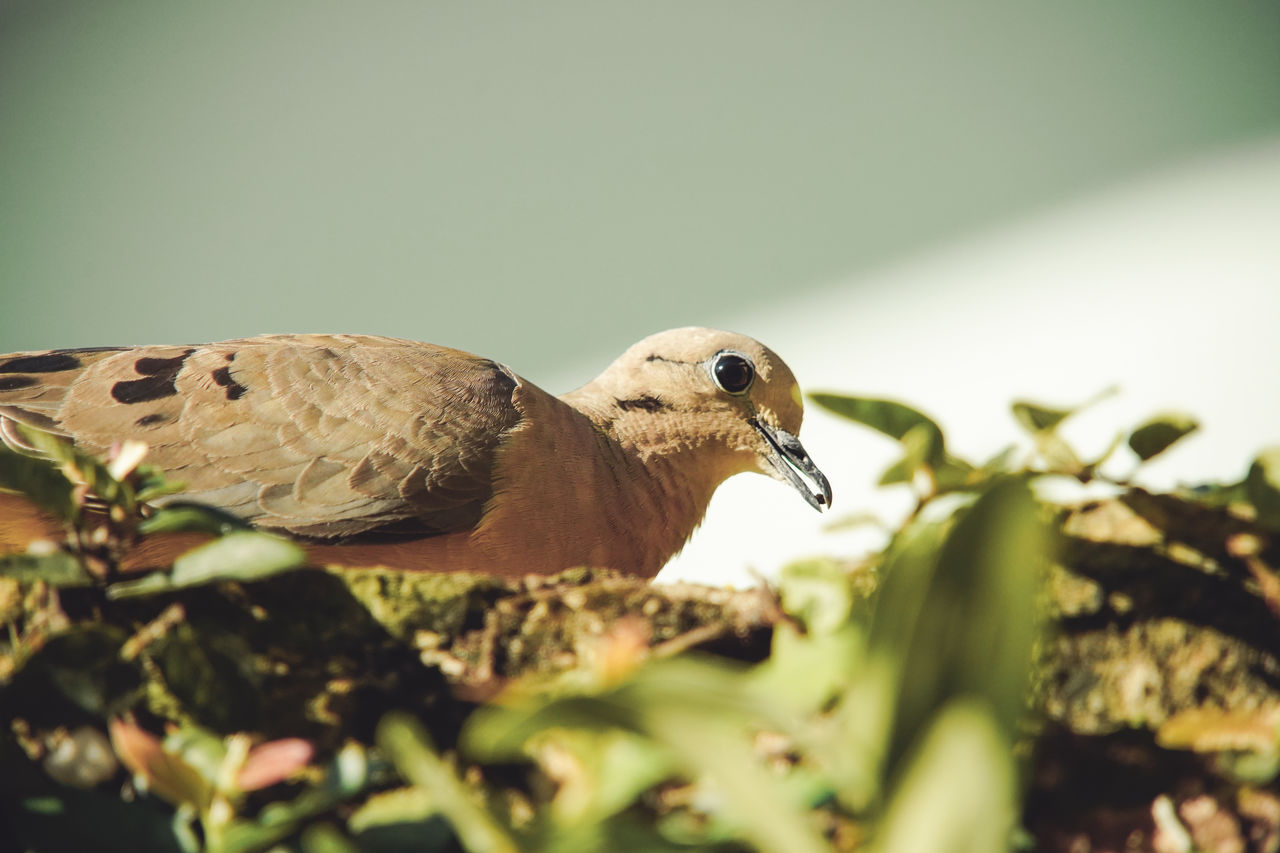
225,705
106,507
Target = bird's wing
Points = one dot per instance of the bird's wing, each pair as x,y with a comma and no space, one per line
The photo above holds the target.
318,435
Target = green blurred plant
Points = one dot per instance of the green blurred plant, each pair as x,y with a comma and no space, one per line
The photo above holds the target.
851,719
887,724
208,778
895,730
932,471
106,507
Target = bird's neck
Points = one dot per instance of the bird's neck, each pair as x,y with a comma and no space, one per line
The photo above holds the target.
652,487
664,440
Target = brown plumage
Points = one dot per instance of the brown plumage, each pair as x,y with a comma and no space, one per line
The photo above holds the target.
375,450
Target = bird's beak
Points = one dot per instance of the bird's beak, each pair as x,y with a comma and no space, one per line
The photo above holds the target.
793,465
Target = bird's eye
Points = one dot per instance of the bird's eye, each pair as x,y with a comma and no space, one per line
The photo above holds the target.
733,373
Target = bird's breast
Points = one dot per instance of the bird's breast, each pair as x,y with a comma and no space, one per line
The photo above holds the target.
568,494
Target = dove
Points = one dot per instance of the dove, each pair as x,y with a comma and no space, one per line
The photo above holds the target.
379,451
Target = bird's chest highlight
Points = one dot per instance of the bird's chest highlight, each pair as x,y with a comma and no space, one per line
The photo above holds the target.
566,495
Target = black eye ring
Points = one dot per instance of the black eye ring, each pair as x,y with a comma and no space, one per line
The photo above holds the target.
733,372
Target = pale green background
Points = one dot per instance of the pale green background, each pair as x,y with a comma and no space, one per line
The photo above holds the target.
547,182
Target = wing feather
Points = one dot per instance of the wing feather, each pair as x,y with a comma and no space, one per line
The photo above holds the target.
318,435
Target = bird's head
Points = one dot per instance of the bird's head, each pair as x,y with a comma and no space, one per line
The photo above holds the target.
726,397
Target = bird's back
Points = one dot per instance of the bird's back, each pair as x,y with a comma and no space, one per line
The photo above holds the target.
321,436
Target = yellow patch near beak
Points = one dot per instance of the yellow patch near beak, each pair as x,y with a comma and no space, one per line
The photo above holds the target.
795,394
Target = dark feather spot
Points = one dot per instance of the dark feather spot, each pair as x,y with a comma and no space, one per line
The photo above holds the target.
51,362
161,379
148,366
13,383
234,389
142,390
152,419
647,403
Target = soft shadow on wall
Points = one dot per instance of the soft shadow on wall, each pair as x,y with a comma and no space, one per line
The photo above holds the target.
548,184
1167,287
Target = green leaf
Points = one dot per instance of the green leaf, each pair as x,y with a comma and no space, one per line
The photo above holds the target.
325,838
609,771
850,744
909,565
500,732
920,448
277,820
1262,486
890,417
244,836
241,556
399,805
1001,462
1157,434
191,518
956,474
958,618
818,592
699,712
56,569
237,556
1059,456
409,747
924,447
145,585
151,483
81,465
1036,418
959,792
806,671
762,808
39,481
201,749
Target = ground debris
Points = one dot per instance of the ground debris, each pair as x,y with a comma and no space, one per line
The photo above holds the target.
1158,684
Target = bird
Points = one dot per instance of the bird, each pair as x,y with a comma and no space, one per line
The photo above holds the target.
378,451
